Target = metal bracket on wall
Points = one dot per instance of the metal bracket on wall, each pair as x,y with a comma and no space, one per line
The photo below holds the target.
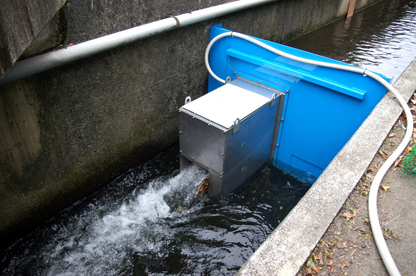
188,99
236,125
273,100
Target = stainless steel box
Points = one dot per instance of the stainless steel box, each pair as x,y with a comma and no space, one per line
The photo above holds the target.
231,132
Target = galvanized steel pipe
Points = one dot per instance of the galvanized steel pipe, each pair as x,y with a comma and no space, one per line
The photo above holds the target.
50,60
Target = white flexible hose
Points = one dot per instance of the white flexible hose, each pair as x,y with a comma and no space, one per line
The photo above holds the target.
372,198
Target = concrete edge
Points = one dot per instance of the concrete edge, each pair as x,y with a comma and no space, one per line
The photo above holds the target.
288,247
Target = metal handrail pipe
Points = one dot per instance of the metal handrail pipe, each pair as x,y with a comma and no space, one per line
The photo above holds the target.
53,59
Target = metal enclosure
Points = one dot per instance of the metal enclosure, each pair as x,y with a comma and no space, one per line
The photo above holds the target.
323,107
230,132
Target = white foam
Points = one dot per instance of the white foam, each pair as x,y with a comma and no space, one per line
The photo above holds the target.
136,225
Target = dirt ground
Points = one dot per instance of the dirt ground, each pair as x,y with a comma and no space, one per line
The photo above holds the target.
348,247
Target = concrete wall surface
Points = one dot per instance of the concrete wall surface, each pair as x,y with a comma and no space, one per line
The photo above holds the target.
21,21
65,132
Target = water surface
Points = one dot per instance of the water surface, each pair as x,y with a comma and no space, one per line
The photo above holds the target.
381,38
151,221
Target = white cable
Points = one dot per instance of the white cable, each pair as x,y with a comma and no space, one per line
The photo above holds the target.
207,55
372,198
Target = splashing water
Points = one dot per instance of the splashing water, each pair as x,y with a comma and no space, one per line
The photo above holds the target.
95,244
138,225
151,221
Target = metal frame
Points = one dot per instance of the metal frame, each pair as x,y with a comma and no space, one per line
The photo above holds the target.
234,153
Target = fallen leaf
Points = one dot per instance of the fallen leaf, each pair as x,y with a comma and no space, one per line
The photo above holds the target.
329,254
389,234
313,259
383,154
365,234
345,264
348,215
398,161
394,134
314,268
364,191
204,186
309,272
281,207
329,266
385,188
180,209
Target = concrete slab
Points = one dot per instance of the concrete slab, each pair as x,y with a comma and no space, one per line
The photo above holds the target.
289,246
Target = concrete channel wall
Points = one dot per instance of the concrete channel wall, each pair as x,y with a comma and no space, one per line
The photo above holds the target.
67,131
20,23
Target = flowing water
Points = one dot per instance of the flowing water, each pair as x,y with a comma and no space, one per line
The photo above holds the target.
381,38
151,221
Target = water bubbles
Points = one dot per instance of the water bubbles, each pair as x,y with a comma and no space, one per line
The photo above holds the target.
137,225
142,230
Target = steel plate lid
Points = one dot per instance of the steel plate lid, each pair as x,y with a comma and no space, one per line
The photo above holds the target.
225,104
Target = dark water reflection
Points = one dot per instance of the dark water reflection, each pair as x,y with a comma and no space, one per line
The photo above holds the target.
381,38
151,221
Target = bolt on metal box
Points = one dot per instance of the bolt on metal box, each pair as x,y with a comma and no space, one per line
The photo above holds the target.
231,132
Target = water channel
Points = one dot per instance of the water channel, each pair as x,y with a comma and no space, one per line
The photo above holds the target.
151,221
